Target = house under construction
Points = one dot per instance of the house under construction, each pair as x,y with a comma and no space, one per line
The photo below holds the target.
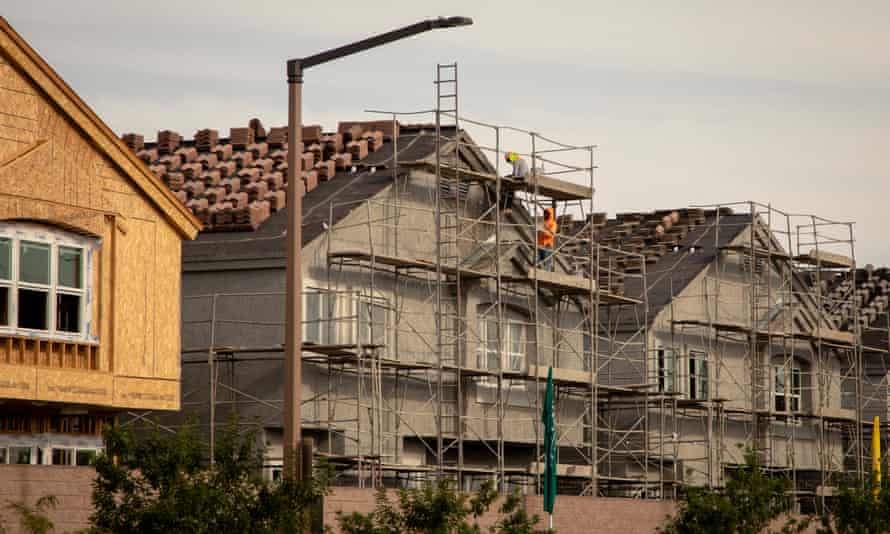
677,338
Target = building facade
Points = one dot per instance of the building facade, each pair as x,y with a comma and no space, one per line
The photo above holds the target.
89,271
677,338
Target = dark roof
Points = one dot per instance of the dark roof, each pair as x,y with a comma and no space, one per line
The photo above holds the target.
346,190
676,246
676,269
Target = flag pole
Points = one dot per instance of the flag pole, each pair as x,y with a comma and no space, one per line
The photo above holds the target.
547,417
876,455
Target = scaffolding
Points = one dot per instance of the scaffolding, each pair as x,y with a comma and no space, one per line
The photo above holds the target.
799,387
442,251
436,318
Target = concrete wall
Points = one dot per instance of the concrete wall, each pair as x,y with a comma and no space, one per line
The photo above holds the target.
410,337
721,294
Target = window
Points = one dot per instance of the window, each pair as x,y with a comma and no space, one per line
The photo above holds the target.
34,285
319,319
2,455
62,456
698,375
85,457
20,455
44,281
5,279
512,358
786,388
665,362
372,323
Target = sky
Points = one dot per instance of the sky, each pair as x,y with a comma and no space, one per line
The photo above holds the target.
688,102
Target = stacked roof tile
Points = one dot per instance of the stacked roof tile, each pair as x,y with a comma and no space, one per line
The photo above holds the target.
867,292
235,183
650,236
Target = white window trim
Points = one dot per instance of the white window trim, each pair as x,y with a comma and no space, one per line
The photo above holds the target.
41,447
345,323
328,327
788,387
515,391
55,238
483,352
376,305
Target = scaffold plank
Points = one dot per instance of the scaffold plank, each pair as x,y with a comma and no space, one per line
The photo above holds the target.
822,335
826,260
546,186
757,251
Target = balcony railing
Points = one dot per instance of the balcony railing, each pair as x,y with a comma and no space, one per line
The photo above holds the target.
28,351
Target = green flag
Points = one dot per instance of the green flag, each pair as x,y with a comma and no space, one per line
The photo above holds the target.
549,446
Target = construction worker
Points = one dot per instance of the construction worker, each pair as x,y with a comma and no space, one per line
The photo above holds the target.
546,238
520,171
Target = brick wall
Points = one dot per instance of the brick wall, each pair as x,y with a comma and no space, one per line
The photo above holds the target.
574,515
70,485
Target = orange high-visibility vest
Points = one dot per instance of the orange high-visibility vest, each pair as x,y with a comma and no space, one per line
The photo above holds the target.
545,236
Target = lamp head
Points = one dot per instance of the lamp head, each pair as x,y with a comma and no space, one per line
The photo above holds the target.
450,22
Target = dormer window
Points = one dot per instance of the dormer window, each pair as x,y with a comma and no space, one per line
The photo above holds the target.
44,282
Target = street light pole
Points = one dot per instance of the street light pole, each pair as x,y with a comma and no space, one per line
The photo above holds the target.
293,337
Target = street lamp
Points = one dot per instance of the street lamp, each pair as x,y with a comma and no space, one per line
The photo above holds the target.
293,312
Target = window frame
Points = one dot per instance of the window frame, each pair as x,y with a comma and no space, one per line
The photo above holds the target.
699,379
370,313
508,356
325,324
342,318
788,391
666,373
55,239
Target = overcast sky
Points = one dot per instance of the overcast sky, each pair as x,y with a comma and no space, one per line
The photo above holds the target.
689,102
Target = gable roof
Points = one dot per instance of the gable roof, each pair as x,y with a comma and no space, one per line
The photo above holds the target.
102,138
676,246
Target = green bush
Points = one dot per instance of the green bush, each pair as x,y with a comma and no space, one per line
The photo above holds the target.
159,482
437,508
751,500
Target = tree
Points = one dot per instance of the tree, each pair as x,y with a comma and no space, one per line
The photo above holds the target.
751,500
857,510
437,508
160,482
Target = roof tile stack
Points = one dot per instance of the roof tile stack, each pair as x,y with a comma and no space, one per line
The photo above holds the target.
135,141
168,141
257,126
236,183
651,235
389,129
867,292
205,140
277,137
241,137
